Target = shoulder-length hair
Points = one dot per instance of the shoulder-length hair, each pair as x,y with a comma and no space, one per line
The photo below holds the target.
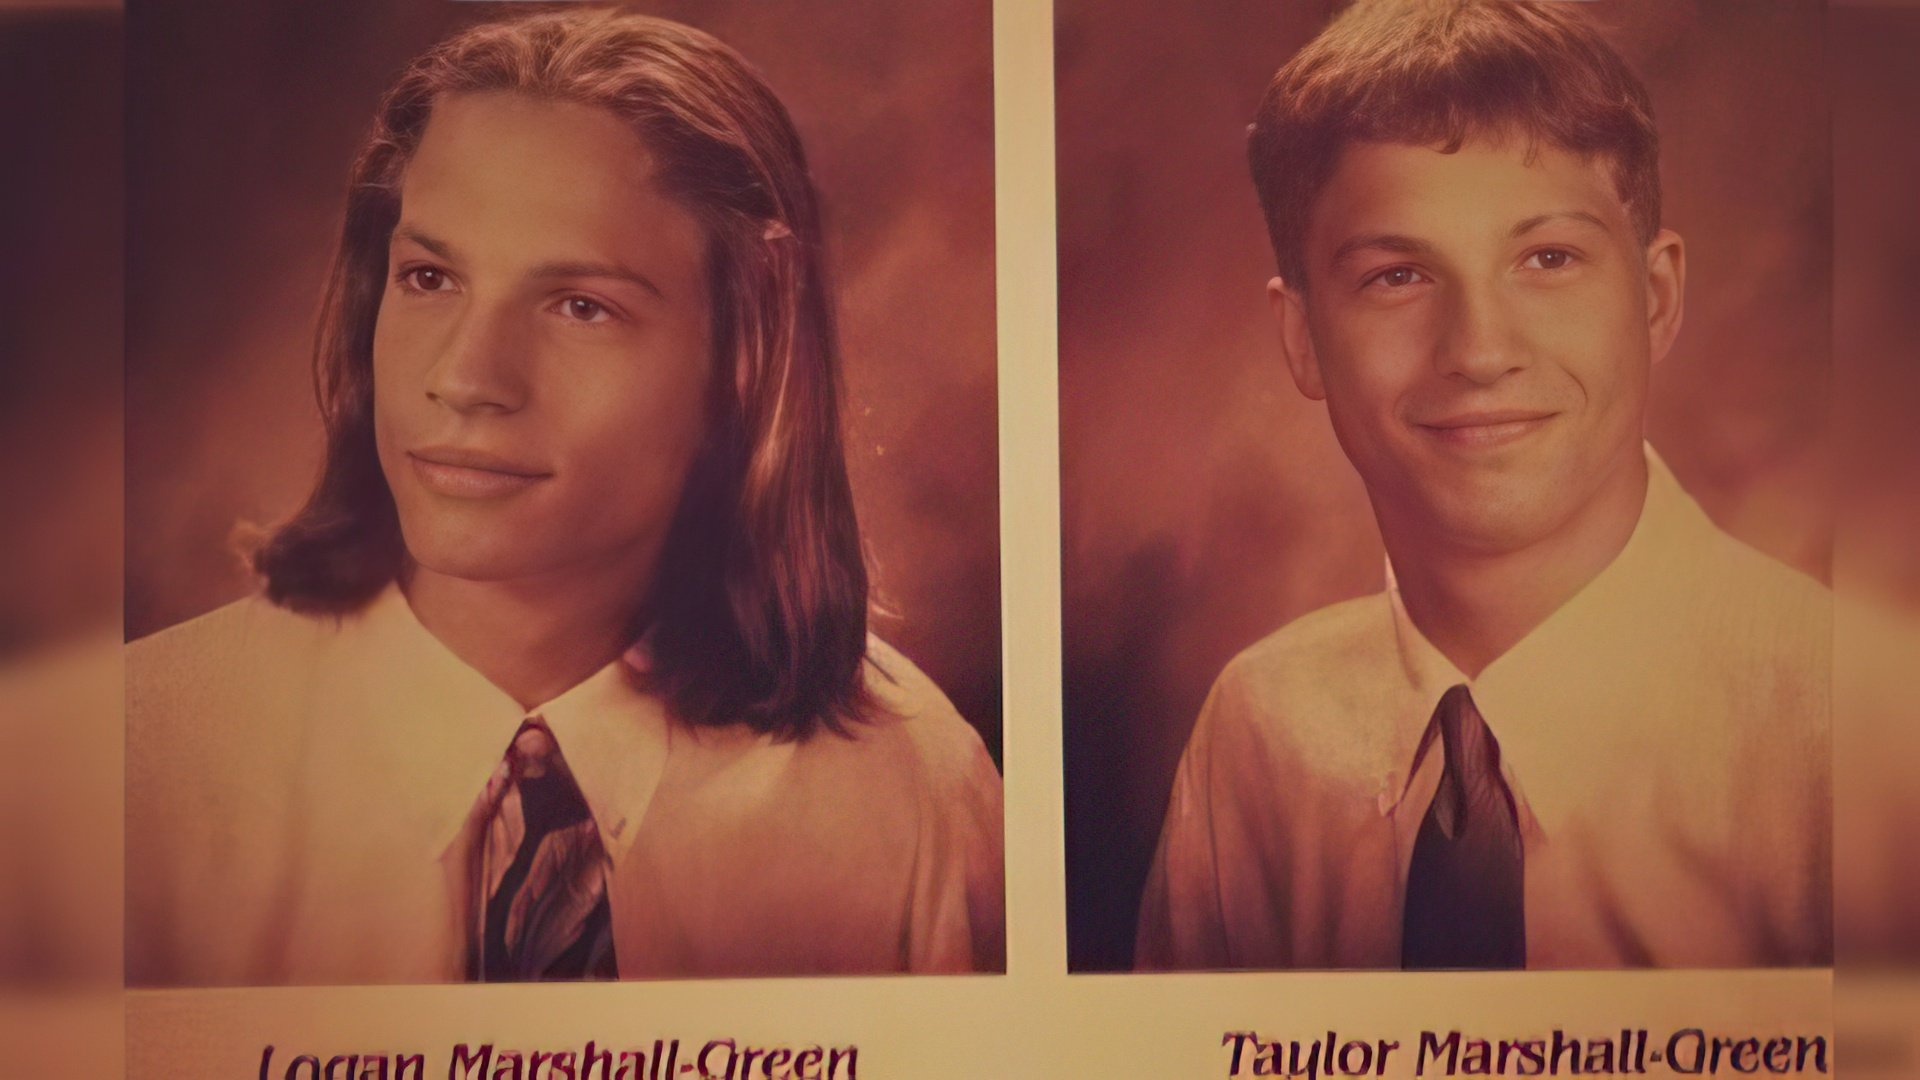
758,610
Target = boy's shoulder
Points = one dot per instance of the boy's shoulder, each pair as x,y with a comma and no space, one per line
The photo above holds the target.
1321,688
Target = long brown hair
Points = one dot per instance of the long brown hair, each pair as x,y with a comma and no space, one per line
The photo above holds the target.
758,610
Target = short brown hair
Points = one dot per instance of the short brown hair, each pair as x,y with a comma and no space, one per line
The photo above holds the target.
1438,73
758,612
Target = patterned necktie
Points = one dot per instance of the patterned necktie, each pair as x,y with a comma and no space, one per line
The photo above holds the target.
1465,887
541,881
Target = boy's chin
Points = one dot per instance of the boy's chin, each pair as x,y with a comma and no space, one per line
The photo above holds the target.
467,558
1497,522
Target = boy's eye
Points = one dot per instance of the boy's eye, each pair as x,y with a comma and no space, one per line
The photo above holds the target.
581,309
1550,259
424,279
1397,277
586,310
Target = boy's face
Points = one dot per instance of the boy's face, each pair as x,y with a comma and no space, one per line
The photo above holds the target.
542,350
1481,325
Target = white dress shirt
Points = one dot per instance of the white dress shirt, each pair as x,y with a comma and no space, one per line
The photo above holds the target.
1665,733
301,792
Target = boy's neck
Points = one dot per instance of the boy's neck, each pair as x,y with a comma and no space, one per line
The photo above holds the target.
534,639
1474,606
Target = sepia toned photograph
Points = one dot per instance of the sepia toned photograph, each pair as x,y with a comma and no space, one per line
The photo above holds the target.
1444,433
623,500
561,492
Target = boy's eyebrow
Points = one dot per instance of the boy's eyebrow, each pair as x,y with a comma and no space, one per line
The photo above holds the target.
1393,242
1534,222
1401,244
439,247
442,249
597,270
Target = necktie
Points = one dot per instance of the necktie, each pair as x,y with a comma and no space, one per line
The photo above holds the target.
542,910
1465,900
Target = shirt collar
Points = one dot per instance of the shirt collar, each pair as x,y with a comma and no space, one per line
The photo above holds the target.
455,726
1523,693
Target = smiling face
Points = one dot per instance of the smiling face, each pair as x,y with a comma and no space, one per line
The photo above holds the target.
542,351
1481,325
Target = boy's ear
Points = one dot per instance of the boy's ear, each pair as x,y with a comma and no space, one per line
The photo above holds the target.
1296,343
1666,291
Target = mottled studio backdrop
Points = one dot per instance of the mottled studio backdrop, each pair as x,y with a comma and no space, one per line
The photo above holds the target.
1205,502
244,115
60,320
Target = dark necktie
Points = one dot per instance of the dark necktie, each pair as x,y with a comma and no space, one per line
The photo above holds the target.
542,898
1465,900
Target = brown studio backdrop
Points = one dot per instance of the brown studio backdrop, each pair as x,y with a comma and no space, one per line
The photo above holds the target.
60,323
243,118
1876,327
1205,503
60,543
